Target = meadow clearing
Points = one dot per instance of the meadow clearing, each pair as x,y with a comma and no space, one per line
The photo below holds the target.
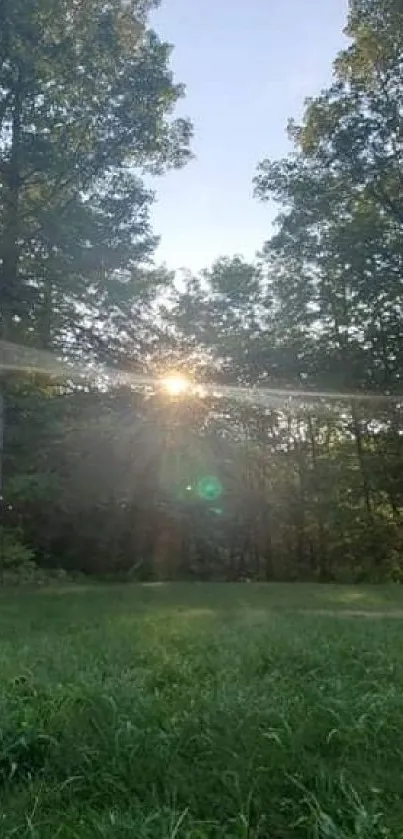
202,712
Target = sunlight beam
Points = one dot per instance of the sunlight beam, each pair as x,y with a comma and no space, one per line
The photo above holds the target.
176,384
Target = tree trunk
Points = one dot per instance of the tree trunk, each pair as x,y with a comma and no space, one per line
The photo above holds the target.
373,545
359,446
11,199
2,423
9,256
300,515
323,560
46,319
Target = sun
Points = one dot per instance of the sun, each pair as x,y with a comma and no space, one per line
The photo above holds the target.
175,384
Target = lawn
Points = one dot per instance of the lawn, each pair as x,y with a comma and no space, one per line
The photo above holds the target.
202,712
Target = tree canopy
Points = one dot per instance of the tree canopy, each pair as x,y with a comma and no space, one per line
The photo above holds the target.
286,461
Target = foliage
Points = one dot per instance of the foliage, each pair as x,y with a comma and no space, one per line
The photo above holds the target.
16,558
18,564
115,485
107,478
85,109
201,711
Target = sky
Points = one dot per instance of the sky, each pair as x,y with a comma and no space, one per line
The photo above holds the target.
248,66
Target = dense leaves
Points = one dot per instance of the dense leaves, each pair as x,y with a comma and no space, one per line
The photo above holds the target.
246,479
85,102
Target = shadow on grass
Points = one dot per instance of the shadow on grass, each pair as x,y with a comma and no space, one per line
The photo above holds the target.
191,601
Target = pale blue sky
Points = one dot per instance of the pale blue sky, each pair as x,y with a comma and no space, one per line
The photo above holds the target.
247,65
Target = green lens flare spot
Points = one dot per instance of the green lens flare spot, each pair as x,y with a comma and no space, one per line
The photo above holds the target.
209,488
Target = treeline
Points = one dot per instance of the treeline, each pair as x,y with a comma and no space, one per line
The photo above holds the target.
251,479
109,484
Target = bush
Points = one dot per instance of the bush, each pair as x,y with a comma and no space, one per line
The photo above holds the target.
17,562
16,558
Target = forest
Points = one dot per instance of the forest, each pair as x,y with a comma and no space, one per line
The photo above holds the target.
283,460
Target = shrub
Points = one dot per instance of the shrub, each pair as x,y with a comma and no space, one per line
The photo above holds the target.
16,558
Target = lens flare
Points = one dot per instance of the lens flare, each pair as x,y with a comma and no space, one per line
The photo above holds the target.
15,357
209,488
175,384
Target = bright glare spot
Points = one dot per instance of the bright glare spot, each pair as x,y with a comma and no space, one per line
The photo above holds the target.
175,384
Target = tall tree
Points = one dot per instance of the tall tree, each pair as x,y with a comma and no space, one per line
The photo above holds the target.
336,262
86,101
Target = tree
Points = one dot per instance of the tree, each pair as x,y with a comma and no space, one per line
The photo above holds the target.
86,98
337,257
225,312
242,480
335,262
85,105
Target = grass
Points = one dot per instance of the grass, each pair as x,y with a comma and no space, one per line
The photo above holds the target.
201,712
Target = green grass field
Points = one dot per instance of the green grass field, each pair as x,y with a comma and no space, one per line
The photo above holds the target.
202,712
